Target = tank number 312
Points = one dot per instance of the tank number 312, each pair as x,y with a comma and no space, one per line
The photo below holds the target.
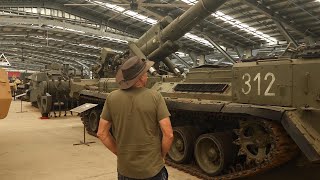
268,77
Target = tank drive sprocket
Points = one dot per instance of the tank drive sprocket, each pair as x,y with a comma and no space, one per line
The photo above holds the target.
256,140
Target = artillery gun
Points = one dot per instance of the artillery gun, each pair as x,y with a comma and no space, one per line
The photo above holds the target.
49,90
229,122
156,44
5,94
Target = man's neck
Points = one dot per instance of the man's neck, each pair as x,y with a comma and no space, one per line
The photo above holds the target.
138,85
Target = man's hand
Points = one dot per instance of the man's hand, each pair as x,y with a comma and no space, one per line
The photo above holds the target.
167,135
105,136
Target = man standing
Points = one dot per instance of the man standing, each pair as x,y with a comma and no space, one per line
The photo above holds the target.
138,116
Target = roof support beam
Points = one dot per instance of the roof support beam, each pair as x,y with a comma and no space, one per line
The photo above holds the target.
48,60
181,60
240,51
222,51
285,33
89,15
47,52
309,40
81,29
41,58
219,61
262,9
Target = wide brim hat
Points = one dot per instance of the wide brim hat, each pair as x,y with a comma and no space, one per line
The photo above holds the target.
131,70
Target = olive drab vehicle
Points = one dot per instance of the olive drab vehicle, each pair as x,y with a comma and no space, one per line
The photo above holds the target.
49,90
229,121
5,94
241,120
157,44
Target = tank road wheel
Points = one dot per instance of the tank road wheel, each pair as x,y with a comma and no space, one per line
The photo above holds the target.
183,144
255,140
94,118
213,152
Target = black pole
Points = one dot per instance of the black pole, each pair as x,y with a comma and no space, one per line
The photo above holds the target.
84,135
21,104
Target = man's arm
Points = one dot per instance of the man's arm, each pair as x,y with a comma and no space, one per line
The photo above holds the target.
167,135
105,136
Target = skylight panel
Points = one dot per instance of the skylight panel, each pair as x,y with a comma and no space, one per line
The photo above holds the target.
198,39
109,6
131,13
67,29
240,25
113,39
89,46
151,21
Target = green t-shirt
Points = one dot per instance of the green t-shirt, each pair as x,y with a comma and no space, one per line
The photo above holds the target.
135,114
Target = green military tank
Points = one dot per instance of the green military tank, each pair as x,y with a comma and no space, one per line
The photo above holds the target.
156,44
50,90
229,121
236,121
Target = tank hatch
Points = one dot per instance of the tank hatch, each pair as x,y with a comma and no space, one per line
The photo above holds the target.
212,88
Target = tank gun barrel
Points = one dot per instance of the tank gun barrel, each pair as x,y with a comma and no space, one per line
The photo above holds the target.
160,40
184,23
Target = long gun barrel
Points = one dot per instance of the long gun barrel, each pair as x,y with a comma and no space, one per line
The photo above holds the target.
159,41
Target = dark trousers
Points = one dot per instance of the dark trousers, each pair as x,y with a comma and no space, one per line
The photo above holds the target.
162,175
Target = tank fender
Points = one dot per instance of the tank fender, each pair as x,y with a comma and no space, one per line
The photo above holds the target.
304,135
266,112
194,105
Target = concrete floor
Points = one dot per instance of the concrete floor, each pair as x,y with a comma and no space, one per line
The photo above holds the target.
35,149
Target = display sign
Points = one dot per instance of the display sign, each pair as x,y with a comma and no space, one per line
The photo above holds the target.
4,61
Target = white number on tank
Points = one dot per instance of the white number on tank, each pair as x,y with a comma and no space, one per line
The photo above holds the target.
267,93
247,82
258,77
247,78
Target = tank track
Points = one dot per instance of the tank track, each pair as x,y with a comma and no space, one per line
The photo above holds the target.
285,149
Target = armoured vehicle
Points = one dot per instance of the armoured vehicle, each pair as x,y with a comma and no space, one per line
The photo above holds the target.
238,121
156,44
229,121
5,94
49,90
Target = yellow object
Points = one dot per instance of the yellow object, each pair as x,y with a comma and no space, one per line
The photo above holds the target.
5,94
